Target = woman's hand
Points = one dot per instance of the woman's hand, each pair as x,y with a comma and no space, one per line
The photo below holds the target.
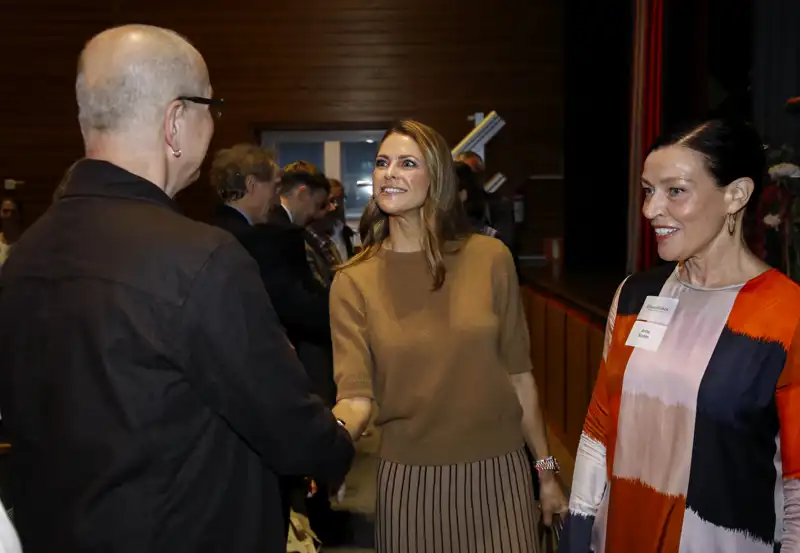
551,498
355,413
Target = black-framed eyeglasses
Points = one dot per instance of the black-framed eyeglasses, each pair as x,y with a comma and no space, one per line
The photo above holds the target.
214,104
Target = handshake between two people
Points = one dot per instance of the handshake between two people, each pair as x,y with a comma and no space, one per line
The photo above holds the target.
332,452
353,415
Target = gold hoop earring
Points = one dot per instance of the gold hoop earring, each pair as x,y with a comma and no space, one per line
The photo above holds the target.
731,224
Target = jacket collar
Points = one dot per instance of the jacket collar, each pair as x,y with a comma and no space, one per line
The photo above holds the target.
278,215
227,211
92,177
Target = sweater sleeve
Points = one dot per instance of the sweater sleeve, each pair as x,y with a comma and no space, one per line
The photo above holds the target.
352,357
514,337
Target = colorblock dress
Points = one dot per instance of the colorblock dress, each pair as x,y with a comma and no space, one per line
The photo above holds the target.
694,447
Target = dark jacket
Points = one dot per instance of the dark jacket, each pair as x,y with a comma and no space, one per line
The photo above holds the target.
150,394
501,217
301,302
230,219
348,235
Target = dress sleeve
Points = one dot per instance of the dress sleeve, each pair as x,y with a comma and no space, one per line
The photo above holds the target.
515,344
787,398
352,357
590,478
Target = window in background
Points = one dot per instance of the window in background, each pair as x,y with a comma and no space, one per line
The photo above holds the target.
345,155
289,152
357,159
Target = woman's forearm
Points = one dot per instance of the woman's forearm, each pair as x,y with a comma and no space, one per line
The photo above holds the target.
355,413
533,426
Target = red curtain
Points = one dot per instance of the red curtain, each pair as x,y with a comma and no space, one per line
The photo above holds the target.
645,124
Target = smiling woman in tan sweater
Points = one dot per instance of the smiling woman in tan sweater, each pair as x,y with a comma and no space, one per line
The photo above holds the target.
427,322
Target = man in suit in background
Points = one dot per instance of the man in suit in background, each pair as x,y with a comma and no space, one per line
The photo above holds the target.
246,178
278,246
301,301
330,241
335,224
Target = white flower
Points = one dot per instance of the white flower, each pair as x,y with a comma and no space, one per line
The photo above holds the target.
789,170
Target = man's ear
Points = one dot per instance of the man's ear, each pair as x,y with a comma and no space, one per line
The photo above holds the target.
738,194
173,123
302,192
249,183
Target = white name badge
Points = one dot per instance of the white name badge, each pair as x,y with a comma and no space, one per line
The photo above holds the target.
646,335
657,309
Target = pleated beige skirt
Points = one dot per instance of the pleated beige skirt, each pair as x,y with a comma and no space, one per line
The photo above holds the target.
482,507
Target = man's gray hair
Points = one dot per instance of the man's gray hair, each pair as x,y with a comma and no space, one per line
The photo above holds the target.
137,89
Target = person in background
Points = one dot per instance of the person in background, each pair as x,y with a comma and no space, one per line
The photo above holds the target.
278,246
692,439
473,160
302,166
321,253
473,199
246,178
11,221
322,256
302,304
10,210
330,240
303,197
150,394
339,231
500,208
428,323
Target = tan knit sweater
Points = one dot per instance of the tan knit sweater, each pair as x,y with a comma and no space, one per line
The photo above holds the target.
437,363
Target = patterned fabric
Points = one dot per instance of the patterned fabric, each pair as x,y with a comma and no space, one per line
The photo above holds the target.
485,506
694,447
322,256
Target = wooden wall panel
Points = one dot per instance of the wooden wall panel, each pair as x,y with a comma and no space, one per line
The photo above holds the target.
544,210
301,64
537,317
577,376
555,401
568,345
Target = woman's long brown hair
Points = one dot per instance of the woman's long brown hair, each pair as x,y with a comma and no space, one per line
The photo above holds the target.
443,218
